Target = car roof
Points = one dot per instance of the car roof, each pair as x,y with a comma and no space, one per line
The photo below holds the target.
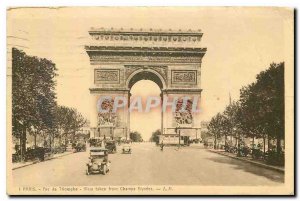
98,149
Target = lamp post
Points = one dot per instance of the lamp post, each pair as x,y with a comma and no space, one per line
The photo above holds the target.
178,130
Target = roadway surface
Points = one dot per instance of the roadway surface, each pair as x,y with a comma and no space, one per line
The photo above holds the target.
148,165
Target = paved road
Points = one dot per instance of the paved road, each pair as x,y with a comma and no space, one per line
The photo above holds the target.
147,165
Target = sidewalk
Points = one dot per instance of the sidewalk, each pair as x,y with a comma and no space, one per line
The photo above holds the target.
248,159
24,164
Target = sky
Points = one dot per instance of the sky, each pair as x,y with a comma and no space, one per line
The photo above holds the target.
240,43
141,118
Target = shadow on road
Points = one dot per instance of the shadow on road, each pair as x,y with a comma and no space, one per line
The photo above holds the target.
247,167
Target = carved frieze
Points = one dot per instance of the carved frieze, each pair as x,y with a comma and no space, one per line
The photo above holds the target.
130,69
170,39
162,70
180,36
184,76
113,58
106,76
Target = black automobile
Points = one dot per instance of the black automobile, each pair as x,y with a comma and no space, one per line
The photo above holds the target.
80,146
98,161
111,146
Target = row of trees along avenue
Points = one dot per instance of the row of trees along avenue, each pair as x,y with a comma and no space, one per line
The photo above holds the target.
34,107
258,114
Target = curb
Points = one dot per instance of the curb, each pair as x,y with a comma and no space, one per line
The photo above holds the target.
278,169
34,162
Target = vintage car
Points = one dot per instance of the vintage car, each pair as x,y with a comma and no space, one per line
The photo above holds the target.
111,146
96,142
79,146
98,161
126,149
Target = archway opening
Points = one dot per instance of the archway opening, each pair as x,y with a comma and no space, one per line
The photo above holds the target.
143,85
144,122
146,75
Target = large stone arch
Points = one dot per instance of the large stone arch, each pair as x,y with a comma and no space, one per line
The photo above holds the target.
172,59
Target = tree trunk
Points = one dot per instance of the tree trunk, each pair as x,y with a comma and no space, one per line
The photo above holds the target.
35,134
50,142
268,142
278,145
23,143
264,138
225,140
252,146
239,145
59,138
73,137
215,145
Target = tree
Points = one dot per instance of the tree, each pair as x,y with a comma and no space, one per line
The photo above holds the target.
270,87
155,136
45,98
252,118
63,122
233,115
77,121
33,95
136,136
260,111
69,121
216,127
262,105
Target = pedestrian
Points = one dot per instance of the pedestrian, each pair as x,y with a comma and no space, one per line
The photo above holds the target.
162,146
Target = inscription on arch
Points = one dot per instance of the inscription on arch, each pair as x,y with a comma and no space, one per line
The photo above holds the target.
109,76
184,76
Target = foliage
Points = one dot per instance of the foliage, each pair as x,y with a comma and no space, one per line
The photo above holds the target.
136,136
69,120
33,96
262,104
259,112
34,107
275,158
155,136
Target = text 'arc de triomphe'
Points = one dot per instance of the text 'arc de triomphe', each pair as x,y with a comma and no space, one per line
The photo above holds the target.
120,58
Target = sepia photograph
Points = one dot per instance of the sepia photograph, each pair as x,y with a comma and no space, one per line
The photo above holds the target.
150,101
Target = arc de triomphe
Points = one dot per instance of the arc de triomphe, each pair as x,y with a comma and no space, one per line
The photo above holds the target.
120,58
